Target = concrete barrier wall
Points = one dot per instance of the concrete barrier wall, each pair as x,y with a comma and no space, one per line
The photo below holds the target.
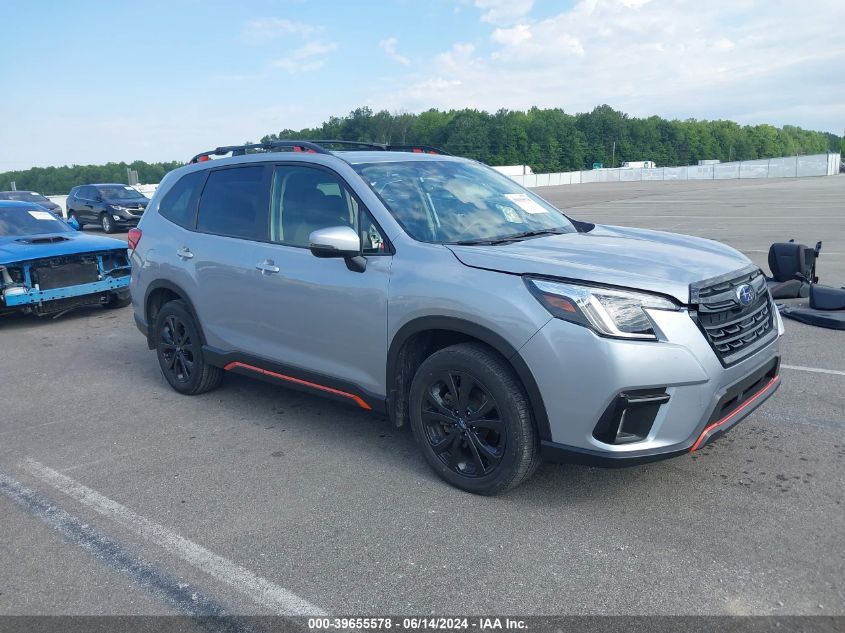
785,167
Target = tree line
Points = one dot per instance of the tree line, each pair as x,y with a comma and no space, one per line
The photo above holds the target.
546,139
551,140
59,180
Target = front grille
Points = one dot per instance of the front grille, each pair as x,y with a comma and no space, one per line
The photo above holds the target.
733,330
61,272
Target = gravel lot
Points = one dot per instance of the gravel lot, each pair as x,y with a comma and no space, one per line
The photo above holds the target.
335,507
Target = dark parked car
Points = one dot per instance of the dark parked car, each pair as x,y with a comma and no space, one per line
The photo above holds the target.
32,196
111,206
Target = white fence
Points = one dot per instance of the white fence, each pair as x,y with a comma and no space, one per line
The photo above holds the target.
786,167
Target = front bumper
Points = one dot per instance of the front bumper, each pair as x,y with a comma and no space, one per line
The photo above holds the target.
580,375
35,296
126,220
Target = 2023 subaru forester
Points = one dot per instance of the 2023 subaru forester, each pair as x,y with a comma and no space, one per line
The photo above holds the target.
437,291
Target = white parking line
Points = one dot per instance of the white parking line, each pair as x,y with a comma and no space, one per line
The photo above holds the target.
260,590
815,370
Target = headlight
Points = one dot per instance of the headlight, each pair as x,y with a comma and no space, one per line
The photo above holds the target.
618,313
117,207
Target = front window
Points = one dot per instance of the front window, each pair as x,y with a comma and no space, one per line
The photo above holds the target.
306,199
29,221
459,202
120,192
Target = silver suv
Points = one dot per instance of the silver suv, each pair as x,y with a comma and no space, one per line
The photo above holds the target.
434,290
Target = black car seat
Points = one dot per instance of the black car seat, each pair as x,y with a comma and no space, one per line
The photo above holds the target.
793,269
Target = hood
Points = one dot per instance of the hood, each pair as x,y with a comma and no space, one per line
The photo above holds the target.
634,258
15,249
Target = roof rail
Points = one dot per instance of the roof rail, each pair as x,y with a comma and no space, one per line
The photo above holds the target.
270,146
314,147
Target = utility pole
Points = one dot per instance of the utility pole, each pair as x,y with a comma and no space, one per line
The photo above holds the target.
613,156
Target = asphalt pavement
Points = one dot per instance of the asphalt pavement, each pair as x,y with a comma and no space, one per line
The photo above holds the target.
119,496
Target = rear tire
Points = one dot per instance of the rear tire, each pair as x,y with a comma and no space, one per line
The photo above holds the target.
179,349
107,223
471,418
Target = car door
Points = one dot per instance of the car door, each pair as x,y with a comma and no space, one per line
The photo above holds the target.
87,208
319,315
232,219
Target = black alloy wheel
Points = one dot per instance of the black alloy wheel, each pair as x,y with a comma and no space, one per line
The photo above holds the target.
178,344
462,424
472,419
177,349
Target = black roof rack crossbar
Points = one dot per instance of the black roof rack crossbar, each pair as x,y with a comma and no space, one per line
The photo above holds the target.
418,149
314,147
269,146
363,144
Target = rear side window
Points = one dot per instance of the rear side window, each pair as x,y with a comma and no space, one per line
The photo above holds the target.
179,205
234,203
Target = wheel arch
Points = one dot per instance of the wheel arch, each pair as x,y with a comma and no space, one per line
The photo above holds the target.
418,338
157,294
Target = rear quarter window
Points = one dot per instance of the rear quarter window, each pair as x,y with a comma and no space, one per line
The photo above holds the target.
179,205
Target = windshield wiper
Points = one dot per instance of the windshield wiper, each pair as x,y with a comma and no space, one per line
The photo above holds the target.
510,238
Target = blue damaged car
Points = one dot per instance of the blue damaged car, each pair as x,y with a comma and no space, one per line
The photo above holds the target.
47,267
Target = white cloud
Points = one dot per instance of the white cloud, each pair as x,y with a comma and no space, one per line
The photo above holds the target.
262,30
721,59
514,36
307,58
389,46
504,11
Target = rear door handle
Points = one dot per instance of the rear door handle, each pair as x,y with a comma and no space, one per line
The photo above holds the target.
267,267
184,253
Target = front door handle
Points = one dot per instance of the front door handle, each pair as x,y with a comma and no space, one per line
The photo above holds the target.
184,253
267,267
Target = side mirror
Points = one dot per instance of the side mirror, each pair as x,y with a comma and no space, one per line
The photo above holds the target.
73,223
335,241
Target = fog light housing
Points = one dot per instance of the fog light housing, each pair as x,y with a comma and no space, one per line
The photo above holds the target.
630,416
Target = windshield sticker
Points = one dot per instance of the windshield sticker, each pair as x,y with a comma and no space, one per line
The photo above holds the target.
41,215
525,203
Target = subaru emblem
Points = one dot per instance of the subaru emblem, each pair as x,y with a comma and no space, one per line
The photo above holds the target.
745,295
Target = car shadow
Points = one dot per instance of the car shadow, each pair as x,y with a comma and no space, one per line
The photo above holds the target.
375,440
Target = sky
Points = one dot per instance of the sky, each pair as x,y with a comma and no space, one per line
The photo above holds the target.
91,82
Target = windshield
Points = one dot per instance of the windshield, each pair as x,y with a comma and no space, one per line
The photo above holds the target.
451,202
120,192
23,196
30,221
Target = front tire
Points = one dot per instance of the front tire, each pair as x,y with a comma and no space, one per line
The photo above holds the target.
179,350
107,223
471,418
72,215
